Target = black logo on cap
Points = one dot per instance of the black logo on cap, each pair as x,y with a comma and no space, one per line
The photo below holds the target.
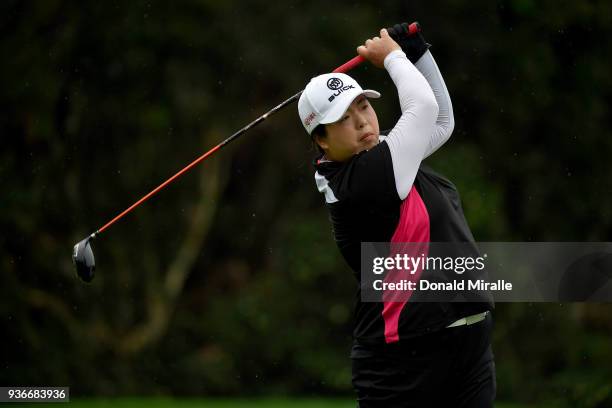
334,83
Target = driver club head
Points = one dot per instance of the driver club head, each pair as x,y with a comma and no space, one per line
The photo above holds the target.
83,258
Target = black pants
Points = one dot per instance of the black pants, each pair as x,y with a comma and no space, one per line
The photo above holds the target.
453,367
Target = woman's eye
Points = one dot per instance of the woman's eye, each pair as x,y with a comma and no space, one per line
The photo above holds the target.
344,118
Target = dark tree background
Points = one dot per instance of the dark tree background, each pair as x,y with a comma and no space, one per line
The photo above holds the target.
229,281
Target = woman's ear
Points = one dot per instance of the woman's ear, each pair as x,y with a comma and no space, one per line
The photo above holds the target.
322,142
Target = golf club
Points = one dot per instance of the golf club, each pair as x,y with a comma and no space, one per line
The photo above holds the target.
82,254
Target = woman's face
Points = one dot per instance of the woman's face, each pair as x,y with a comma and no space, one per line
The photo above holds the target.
356,131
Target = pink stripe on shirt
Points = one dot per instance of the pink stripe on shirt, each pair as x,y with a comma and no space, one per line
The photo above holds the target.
413,227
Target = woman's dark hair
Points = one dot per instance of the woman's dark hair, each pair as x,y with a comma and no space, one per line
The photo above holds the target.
320,132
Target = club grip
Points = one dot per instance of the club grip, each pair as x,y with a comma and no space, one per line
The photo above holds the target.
413,28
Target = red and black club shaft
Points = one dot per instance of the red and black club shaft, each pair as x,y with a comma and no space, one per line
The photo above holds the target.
82,250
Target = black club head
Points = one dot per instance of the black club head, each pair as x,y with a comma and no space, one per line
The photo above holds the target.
83,258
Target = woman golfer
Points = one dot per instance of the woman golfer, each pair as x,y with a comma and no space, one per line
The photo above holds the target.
404,354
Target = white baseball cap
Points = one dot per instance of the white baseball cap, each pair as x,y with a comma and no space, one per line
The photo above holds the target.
327,97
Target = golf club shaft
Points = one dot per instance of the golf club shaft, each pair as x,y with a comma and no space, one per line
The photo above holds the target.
199,160
347,66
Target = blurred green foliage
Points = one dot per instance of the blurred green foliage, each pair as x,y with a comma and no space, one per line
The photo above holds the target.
221,403
229,282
